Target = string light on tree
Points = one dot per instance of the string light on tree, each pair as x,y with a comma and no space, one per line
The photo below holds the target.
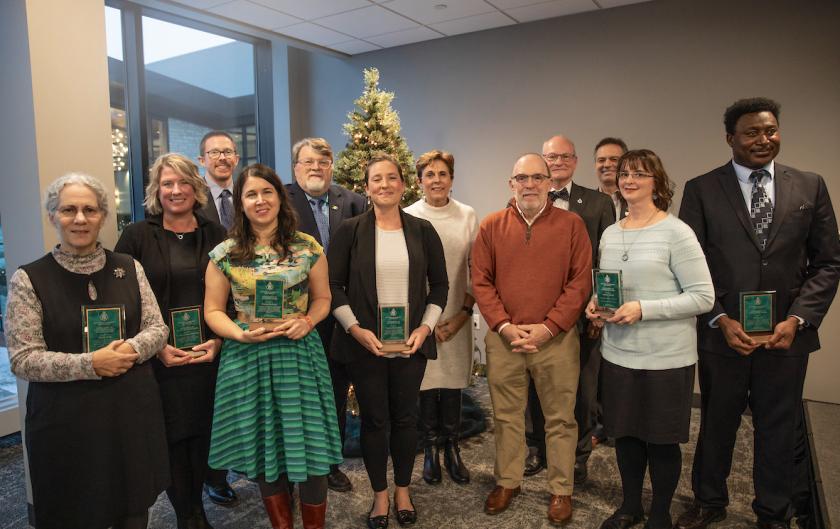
374,126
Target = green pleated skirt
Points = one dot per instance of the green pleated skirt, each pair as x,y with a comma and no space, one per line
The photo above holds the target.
274,411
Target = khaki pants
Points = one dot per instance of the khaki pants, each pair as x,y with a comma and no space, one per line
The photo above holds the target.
555,370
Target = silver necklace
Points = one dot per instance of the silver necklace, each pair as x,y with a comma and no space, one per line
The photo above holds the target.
625,256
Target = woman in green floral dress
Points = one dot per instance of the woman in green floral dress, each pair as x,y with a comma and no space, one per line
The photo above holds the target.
274,417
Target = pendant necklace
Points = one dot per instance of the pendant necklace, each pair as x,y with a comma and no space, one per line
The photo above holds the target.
624,256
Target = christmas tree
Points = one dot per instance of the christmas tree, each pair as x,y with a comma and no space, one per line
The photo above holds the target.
374,126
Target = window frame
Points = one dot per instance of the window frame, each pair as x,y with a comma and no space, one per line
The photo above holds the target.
137,118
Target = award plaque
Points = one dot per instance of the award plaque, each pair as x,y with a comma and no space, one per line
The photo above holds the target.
102,325
185,328
758,314
268,302
606,284
393,328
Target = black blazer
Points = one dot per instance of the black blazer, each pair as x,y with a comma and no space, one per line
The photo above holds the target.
597,211
801,261
146,241
344,204
352,258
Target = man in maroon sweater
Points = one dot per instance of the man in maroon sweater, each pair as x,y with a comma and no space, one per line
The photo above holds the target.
531,269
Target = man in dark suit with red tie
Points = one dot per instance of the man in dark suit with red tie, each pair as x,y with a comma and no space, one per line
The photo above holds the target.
321,206
764,227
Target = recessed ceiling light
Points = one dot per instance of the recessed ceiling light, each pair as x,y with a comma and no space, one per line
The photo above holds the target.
441,6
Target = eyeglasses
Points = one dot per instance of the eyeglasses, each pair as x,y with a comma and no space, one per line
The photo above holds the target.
323,163
635,174
215,153
565,156
71,212
523,178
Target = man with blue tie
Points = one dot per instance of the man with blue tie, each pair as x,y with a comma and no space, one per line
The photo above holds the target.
764,227
218,156
321,206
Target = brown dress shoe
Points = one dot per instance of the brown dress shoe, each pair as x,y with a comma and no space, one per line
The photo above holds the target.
499,500
559,509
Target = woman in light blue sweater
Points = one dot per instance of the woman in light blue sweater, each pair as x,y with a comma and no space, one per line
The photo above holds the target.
649,344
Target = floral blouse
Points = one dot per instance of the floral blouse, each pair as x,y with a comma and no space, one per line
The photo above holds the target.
293,270
28,355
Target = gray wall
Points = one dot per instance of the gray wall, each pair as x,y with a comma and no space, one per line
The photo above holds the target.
657,74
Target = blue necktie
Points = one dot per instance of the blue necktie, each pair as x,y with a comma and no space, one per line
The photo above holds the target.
761,208
226,209
562,193
321,220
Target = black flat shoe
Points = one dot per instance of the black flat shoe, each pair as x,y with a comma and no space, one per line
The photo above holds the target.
620,520
222,494
405,516
377,522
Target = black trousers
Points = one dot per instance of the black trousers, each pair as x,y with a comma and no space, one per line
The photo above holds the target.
188,468
586,404
387,390
772,387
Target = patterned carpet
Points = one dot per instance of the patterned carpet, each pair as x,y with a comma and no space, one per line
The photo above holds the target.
446,506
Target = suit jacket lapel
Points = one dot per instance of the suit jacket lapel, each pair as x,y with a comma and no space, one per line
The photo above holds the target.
783,184
366,253
304,210
336,208
733,193
576,203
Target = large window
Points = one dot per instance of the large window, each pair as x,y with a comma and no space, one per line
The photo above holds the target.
173,80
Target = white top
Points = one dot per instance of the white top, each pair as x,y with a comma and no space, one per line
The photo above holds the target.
457,226
391,280
666,272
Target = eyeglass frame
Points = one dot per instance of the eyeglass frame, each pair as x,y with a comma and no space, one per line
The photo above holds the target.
565,156
635,174
323,163
71,212
523,179
228,153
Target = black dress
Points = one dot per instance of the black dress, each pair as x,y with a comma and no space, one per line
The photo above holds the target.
97,449
175,269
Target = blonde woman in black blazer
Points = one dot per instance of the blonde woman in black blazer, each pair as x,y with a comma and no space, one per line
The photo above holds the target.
368,259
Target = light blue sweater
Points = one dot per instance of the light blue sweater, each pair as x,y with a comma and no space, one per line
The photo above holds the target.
666,272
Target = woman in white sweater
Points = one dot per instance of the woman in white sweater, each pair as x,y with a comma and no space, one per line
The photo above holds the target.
649,345
440,392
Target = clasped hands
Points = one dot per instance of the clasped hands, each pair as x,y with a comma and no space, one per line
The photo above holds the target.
172,357
369,341
293,329
782,336
525,337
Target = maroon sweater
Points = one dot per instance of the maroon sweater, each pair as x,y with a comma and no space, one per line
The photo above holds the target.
536,274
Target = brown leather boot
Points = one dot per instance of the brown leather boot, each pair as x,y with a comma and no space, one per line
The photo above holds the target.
279,509
314,516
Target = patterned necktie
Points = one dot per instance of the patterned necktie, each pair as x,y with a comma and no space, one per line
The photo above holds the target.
562,193
226,209
761,208
321,220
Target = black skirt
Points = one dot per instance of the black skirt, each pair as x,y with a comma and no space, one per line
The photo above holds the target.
651,405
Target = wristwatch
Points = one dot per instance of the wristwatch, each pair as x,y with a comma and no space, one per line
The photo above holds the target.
468,309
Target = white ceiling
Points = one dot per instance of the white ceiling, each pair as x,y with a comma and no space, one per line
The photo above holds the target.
359,26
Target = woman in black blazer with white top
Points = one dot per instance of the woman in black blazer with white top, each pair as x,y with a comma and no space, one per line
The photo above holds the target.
386,257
